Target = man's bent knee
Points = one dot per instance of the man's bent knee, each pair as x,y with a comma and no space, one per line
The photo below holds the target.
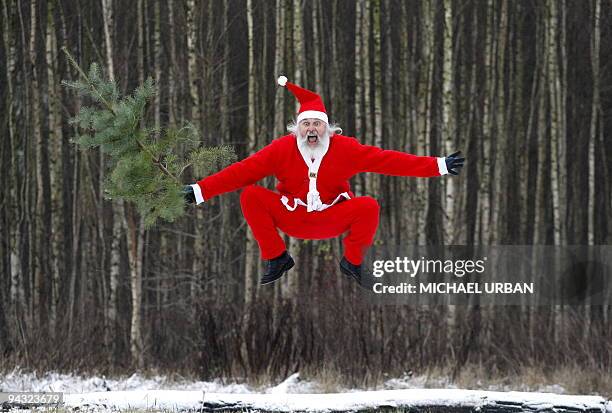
249,193
368,204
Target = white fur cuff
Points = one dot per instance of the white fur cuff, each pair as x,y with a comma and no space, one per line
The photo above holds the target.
198,194
442,166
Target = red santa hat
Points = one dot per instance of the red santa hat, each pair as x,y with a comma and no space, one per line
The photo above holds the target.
311,105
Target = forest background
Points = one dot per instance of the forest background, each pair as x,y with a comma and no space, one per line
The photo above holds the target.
523,88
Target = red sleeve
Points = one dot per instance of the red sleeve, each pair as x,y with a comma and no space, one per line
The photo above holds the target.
240,174
387,162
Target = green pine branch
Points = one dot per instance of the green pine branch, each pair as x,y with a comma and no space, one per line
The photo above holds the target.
145,163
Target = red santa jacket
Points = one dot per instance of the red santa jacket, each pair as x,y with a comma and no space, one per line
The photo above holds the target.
345,158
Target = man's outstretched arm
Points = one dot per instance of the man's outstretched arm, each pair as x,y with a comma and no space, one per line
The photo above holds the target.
389,162
236,176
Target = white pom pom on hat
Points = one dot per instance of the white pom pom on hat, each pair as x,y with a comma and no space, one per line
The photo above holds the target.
282,80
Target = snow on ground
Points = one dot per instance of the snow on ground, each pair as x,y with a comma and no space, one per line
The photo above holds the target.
159,392
424,382
18,380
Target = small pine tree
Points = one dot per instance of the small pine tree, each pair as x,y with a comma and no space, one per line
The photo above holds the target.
144,163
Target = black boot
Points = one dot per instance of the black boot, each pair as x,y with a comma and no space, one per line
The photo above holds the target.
277,267
351,270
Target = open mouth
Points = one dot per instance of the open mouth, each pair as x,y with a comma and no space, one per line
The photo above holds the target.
312,138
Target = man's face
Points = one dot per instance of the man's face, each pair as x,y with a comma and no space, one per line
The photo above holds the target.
312,130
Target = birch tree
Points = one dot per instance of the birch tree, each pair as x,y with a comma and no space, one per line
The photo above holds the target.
16,292
251,264
56,140
595,125
448,121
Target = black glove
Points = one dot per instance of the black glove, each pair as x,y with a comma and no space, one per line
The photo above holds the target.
189,194
454,163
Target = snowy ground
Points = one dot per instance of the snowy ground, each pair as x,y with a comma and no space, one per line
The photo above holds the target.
138,392
20,381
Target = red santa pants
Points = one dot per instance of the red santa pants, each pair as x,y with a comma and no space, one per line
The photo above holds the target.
265,214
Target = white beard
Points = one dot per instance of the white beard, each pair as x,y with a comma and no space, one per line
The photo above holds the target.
317,151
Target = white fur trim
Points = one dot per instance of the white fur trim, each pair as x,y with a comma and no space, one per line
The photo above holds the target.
198,194
282,80
442,166
315,114
322,207
313,199
296,202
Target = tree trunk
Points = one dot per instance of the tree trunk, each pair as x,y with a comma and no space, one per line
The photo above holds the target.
360,62
173,69
367,131
136,236
251,262
447,140
280,67
42,231
56,174
449,129
15,300
595,119
16,293
193,61
117,209
433,224
199,247
557,143
291,285
484,212
500,137
157,51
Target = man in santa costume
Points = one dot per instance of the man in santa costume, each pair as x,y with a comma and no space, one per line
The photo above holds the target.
313,199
